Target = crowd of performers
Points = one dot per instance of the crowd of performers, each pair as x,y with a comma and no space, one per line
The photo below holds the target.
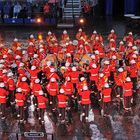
66,75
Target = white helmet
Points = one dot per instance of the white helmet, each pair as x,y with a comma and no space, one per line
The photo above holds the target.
10,74
19,90
21,64
31,44
96,52
2,85
37,81
33,67
106,62
49,33
112,40
121,43
52,79
48,63
41,46
106,85
128,79
112,49
68,78
80,30
134,47
9,51
41,92
18,57
136,52
130,44
101,75
64,32
52,70
4,56
82,78
132,61
93,56
15,40
1,65
18,48
112,31
134,56
31,36
67,64
120,70
41,50
73,68
85,88
130,33
94,66
81,46
23,79
4,71
67,43
94,32
35,55
114,57
62,90
2,61
96,38
23,52
68,54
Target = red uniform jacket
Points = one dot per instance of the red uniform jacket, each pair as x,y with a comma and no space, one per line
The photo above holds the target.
42,101
106,94
52,88
68,88
11,84
3,94
33,74
85,97
133,71
52,75
36,88
74,76
20,98
25,87
30,51
127,89
94,74
62,100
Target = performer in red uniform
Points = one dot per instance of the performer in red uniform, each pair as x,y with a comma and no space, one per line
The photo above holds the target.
42,102
85,101
20,101
62,103
106,98
3,94
127,87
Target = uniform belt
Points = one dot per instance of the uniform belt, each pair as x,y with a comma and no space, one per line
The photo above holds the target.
106,72
3,97
10,85
41,103
24,90
68,89
85,99
94,74
34,77
128,90
36,91
74,78
52,89
62,102
107,96
20,101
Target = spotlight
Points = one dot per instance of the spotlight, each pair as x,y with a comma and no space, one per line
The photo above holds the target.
82,20
39,20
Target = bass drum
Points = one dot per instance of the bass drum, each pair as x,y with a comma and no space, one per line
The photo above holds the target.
86,59
49,57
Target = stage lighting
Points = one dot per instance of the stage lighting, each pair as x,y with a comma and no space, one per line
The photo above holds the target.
82,20
39,20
